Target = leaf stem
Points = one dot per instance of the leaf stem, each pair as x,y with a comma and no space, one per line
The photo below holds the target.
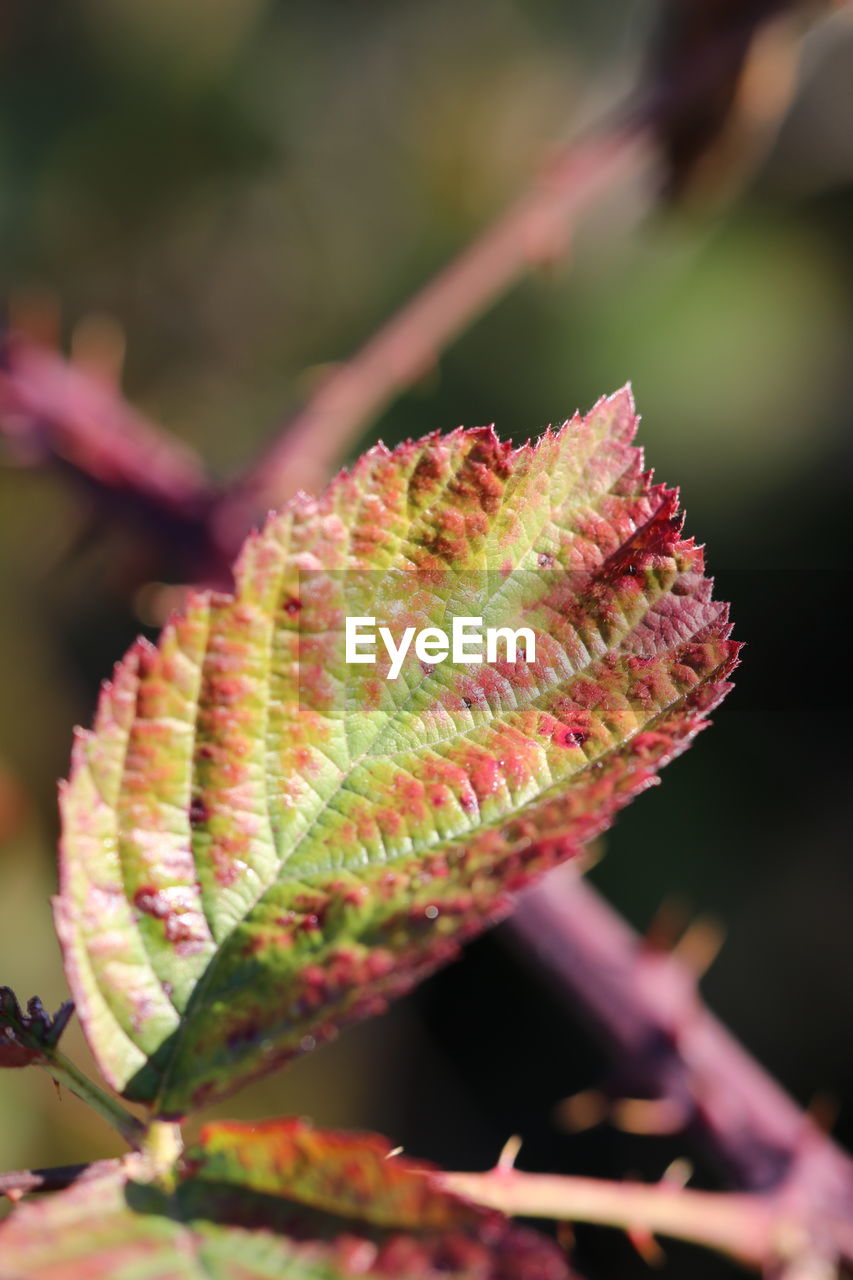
66,1073
161,1149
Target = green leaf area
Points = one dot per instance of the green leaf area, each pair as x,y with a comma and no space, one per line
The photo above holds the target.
262,842
273,1200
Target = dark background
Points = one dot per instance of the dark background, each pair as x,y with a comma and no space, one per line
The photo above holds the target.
240,191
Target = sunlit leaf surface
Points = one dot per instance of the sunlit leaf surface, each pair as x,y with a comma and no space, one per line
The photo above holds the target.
262,842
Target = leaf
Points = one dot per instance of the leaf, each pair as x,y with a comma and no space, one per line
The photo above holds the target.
353,1175
214,1225
261,842
26,1038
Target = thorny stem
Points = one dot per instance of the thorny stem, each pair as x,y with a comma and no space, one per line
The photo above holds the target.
760,1230
763,1230
64,1072
646,1006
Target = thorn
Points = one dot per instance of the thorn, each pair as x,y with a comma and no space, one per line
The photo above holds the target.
396,1151
649,1116
667,925
14,1194
566,1236
509,1153
647,1246
583,1111
695,943
823,1111
58,1089
98,345
677,1174
700,945
155,602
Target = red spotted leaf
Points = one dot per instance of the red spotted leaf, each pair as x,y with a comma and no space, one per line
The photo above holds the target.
352,1175
263,840
279,1200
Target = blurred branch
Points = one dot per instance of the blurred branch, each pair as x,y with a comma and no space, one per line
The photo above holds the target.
646,1007
531,232
60,413
54,413
768,1231
699,58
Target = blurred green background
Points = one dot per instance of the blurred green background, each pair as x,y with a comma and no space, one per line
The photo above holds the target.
241,191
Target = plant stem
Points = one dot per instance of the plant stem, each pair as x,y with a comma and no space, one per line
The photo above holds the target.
161,1150
56,413
751,1228
64,1072
24,1181
534,230
646,1007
